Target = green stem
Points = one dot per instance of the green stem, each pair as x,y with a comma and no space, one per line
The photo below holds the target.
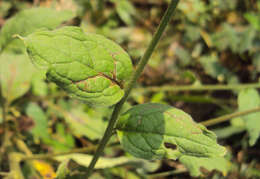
199,88
165,20
227,117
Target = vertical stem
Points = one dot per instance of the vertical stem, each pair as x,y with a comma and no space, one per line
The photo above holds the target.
165,20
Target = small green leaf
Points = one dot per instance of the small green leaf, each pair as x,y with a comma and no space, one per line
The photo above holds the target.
84,123
249,99
214,68
155,131
29,20
194,164
125,10
87,66
15,75
183,56
227,37
41,124
253,19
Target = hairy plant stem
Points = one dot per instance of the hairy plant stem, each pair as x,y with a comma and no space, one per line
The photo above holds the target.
227,117
165,20
199,88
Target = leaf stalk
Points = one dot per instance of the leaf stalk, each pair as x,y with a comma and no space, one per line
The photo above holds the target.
227,117
198,88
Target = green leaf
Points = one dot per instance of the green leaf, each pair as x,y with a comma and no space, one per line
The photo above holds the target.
253,19
61,140
81,120
87,66
184,56
194,164
125,10
227,37
63,169
39,86
103,162
85,123
249,99
156,131
41,124
29,20
228,131
213,67
15,75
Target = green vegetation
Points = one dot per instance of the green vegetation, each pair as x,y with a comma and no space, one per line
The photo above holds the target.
98,89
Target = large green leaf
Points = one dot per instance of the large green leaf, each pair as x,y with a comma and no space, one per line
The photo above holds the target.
29,20
249,99
87,66
15,75
155,131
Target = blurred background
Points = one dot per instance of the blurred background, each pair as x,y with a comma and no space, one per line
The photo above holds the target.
208,42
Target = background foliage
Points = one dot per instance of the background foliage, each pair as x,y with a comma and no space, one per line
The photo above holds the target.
209,42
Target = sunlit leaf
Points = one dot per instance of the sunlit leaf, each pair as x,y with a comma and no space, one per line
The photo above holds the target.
249,99
87,66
